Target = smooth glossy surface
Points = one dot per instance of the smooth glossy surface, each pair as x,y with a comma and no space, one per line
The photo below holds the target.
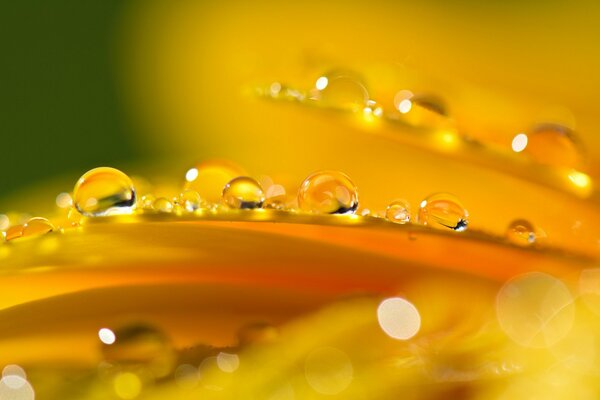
104,191
328,192
243,193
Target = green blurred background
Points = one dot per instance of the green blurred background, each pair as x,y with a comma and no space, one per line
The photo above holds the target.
60,107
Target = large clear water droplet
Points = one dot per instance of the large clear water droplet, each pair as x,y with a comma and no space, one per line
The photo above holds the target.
398,211
444,211
521,232
341,90
328,192
104,191
243,193
555,144
141,345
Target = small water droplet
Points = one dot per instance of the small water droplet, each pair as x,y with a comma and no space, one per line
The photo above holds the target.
328,192
37,226
556,145
243,193
141,345
13,232
190,200
398,211
276,198
373,109
341,90
421,109
147,201
209,177
445,211
163,205
521,232
104,191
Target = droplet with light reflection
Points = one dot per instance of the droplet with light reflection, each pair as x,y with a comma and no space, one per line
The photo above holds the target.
521,232
190,200
398,318
147,202
162,205
535,309
373,109
37,226
14,232
104,191
443,211
74,217
139,345
328,370
398,212
209,177
555,144
421,109
341,90
328,192
243,192
275,198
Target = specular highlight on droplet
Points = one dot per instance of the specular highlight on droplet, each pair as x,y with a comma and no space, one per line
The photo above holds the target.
104,191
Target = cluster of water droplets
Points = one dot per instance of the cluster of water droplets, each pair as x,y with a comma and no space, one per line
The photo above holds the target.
553,144
217,188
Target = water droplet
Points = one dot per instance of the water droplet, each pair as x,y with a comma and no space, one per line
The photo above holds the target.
37,226
535,310
147,201
13,232
398,211
421,109
341,90
373,109
74,217
140,345
445,211
521,232
104,191
556,145
190,200
276,198
163,205
243,193
208,178
328,192
328,370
